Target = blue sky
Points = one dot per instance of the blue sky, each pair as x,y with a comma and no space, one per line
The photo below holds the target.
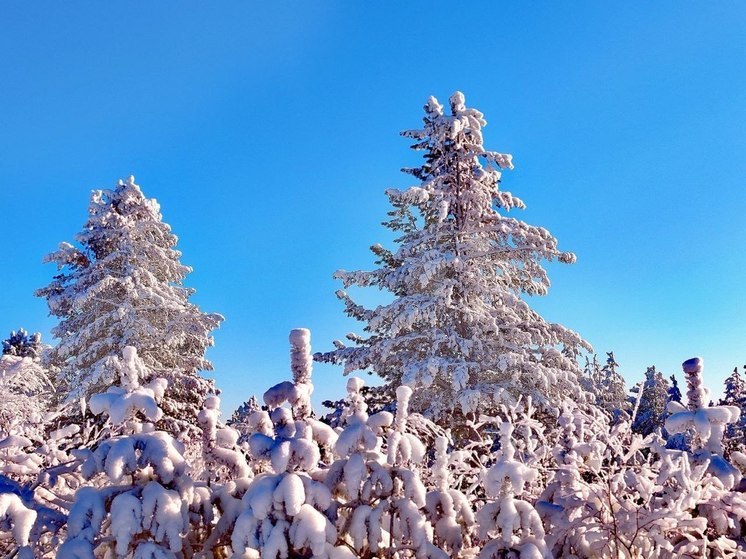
269,131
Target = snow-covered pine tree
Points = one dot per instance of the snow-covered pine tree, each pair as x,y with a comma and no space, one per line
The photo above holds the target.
23,344
122,286
510,526
674,393
605,384
735,395
652,409
25,387
281,511
457,327
239,418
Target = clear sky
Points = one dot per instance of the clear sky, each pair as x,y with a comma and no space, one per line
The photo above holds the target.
269,131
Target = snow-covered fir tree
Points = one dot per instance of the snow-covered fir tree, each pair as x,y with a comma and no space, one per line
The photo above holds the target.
239,419
734,394
280,512
734,389
605,385
22,344
376,481
651,411
674,392
25,386
458,328
122,286
510,525
221,457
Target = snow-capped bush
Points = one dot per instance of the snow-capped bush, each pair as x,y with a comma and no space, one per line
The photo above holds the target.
139,502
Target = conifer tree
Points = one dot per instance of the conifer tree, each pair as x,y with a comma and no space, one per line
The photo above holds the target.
239,418
652,409
734,394
122,286
23,344
25,386
458,328
734,389
674,393
605,385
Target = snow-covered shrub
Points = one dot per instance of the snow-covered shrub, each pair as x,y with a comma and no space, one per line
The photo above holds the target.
508,524
280,511
138,503
602,500
617,494
26,394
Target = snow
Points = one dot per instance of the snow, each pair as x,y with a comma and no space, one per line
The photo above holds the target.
519,453
457,329
20,517
122,285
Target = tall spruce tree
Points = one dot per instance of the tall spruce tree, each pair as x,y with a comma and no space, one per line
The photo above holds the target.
457,327
122,286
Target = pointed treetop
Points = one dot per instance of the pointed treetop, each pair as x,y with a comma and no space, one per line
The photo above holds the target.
458,102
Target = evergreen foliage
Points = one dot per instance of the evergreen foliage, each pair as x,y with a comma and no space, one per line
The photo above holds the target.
23,344
122,286
458,329
651,412
605,385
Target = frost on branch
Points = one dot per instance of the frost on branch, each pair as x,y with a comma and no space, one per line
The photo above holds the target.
458,328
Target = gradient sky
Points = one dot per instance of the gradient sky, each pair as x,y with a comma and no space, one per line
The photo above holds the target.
269,131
